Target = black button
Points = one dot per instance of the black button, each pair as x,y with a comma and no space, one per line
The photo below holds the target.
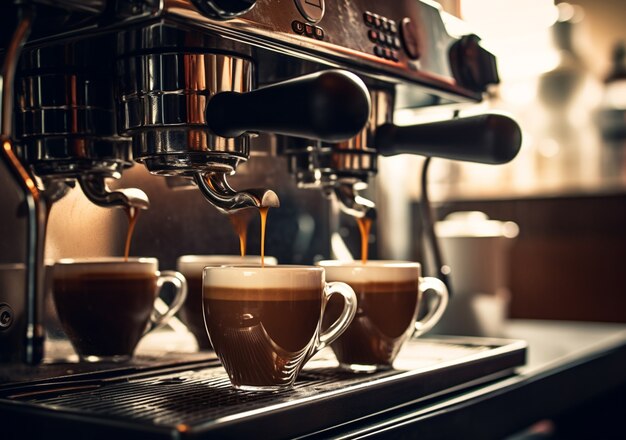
368,18
393,27
308,29
377,21
373,35
396,43
297,26
381,38
387,53
378,51
319,33
394,55
385,23
389,40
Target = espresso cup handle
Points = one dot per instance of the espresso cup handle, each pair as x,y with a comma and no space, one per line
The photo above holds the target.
347,314
158,317
435,285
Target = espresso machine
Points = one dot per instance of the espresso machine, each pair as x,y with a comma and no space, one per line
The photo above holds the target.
191,89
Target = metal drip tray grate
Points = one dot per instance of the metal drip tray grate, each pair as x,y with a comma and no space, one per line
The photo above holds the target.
188,398
202,401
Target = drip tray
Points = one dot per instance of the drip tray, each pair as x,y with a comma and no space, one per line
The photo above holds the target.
199,401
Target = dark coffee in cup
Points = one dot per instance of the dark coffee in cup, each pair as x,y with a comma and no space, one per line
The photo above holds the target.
106,305
265,332
191,266
89,303
386,312
264,322
388,296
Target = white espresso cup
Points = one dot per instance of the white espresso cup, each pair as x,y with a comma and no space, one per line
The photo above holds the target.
388,294
191,266
106,305
264,322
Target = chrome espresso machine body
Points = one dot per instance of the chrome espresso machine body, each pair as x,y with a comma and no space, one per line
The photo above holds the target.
188,84
192,89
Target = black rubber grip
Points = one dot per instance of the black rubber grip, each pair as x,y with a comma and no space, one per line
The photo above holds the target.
488,138
331,106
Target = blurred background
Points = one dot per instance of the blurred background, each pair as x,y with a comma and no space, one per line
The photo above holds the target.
563,76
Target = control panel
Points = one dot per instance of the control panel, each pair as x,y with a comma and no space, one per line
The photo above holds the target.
407,34
383,32
403,38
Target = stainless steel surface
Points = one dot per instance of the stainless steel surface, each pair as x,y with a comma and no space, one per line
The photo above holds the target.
425,369
343,168
162,101
67,122
269,25
9,66
351,203
569,364
321,164
66,118
98,193
30,351
217,191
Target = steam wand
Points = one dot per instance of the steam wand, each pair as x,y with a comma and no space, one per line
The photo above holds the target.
443,270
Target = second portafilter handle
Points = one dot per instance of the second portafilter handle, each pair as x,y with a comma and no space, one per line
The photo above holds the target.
331,106
487,138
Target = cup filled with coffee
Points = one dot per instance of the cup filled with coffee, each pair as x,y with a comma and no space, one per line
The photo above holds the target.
191,266
389,294
106,305
264,322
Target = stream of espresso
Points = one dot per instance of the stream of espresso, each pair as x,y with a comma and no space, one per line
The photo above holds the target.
365,224
263,213
240,219
133,214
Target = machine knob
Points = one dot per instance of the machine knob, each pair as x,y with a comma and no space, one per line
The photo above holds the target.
473,67
331,106
224,9
488,138
410,38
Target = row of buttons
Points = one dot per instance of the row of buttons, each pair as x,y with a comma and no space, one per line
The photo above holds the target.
385,52
307,29
384,39
383,34
383,23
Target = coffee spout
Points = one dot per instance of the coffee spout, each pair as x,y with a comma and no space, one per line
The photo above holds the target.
97,191
351,203
54,190
227,200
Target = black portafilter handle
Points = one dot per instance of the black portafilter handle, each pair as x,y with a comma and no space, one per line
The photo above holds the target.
488,138
331,106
